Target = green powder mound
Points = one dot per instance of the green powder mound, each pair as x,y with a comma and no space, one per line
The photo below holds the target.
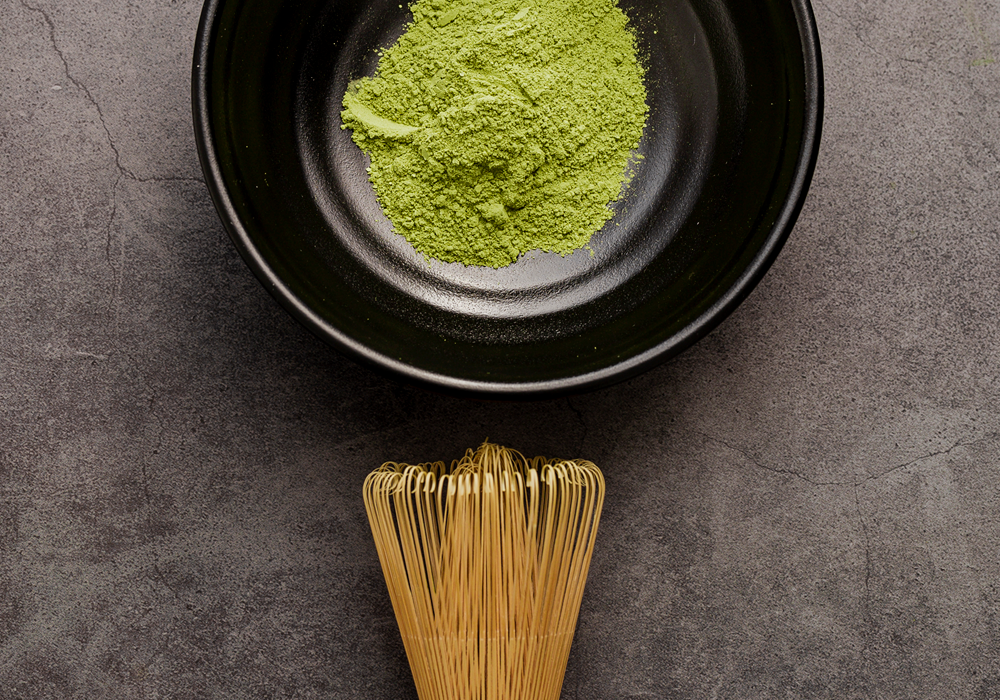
495,127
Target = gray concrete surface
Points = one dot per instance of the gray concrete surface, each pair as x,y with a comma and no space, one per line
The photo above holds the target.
804,505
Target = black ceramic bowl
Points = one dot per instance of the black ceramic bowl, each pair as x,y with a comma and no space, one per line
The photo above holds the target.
735,96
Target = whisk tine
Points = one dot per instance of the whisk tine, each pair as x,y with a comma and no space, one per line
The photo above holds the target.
486,563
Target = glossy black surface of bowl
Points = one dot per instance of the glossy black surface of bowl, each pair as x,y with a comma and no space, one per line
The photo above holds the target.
735,95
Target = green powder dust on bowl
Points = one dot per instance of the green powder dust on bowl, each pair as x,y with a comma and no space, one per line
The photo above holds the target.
498,128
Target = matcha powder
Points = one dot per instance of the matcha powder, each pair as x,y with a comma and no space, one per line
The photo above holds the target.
498,127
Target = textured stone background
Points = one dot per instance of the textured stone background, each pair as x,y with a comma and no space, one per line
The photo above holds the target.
804,505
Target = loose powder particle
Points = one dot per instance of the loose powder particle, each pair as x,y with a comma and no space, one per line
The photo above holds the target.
496,128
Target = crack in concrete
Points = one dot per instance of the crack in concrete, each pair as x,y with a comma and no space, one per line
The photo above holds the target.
833,12
154,450
80,86
866,608
162,580
855,483
853,27
889,58
866,594
989,437
579,417
122,169
868,544
116,272
760,465
867,618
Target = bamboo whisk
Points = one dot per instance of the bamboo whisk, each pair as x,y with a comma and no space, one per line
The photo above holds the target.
486,563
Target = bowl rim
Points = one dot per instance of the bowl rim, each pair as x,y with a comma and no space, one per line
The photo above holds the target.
621,371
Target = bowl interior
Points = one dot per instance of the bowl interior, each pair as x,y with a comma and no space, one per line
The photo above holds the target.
735,102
